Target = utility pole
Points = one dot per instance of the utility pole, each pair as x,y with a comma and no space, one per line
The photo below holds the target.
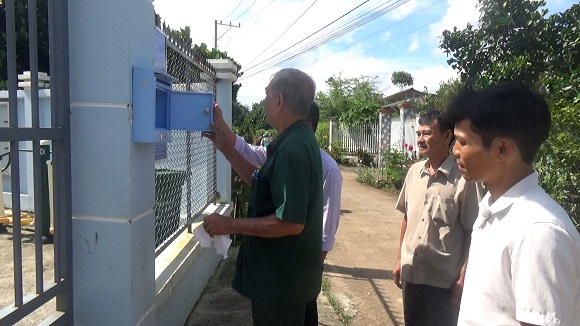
220,23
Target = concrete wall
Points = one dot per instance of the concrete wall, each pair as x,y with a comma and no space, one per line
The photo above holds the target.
117,278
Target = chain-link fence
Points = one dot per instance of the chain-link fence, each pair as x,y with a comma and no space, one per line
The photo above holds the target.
185,182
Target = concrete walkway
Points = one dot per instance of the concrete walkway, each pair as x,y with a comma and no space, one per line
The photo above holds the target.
358,270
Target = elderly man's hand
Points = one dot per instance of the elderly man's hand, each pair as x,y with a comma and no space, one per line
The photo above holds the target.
216,224
221,134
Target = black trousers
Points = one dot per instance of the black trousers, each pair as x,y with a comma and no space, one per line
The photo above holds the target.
311,313
426,305
269,315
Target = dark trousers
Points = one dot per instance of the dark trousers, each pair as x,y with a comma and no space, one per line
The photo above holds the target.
269,315
311,313
426,305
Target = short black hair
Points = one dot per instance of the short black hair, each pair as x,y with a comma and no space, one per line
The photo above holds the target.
313,116
442,120
508,109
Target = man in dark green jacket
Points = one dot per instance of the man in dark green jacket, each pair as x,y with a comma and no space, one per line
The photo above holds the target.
279,265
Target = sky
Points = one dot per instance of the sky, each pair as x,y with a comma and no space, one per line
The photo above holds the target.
326,38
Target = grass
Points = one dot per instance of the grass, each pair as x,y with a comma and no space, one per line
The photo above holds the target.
344,317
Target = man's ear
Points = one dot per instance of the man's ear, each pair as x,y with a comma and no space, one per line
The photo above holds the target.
505,147
448,135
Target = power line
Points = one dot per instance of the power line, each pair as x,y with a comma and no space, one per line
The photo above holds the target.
256,14
215,30
246,10
284,32
380,30
234,10
352,24
305,37
390,41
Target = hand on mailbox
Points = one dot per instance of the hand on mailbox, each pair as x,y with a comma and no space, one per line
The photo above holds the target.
221,135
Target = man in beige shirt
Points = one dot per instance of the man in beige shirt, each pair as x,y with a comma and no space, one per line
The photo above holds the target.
440,208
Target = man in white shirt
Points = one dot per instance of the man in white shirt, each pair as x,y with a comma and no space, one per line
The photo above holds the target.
331,191
524,259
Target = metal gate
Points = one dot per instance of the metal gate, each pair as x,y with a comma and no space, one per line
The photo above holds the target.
36,278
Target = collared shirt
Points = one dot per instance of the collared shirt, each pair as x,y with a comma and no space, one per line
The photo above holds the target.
524,261
331,191
285,270
439,209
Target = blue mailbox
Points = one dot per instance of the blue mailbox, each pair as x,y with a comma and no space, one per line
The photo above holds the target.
158,109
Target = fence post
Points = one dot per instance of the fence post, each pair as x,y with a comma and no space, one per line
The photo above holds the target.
226,75
408,111
333,133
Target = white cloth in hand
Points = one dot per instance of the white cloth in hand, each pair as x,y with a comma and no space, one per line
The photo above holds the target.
221,243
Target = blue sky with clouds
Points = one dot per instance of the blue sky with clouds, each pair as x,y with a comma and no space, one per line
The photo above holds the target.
376,38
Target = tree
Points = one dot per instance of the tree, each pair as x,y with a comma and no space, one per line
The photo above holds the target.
351,100
512,41
22,46
253,122
402,79
515,40
440,100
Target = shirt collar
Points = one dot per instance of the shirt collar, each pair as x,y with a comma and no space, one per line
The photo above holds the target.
273,146
488,207
445,167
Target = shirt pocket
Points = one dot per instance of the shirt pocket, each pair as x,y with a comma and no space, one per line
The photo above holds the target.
444,211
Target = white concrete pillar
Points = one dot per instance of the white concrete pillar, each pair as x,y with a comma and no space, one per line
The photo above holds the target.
226,74
112,177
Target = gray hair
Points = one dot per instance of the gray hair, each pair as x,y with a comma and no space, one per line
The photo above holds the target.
297,88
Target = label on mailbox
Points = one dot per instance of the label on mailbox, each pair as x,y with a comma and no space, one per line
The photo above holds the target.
160,60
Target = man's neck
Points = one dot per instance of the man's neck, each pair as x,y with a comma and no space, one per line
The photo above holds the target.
508,178
286,123
435,162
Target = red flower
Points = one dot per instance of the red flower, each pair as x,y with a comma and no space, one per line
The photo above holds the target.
410,147
405,145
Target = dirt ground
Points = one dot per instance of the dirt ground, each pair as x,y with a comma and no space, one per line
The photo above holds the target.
359,268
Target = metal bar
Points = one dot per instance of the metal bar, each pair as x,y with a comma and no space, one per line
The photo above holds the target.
16,225
184,55
30,134
189,175
14,156
38,216
13,314
33,58
60,106
38,212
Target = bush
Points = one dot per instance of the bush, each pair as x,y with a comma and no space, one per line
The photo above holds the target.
337,153
364,158
390,175
322,133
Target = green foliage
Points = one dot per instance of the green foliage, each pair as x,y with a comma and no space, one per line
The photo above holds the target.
364,158
559,158
510,43
391,174
22,42
442,98
402,79
515,40
337,153
322,134
253,121
350,100
238,112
